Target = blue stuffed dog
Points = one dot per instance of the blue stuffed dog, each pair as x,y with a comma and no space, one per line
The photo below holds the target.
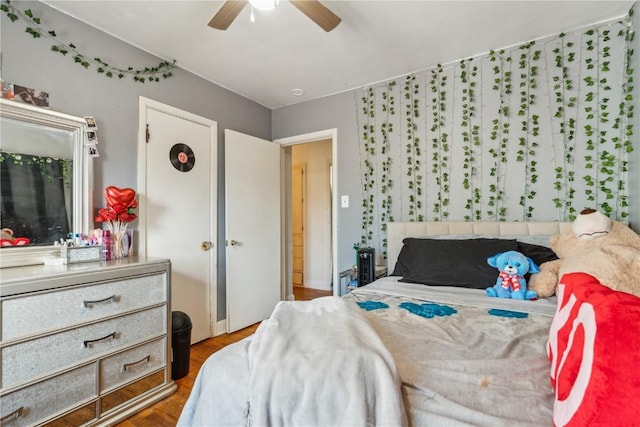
511,282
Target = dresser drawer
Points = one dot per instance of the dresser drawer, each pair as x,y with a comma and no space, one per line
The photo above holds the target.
76,418
50,397
47,311
131,364
132,391
31,359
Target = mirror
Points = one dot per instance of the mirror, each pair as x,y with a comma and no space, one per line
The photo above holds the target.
45,181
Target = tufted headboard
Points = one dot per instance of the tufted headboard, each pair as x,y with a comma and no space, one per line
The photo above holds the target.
534,232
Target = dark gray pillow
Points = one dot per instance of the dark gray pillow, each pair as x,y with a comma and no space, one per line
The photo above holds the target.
444,262
537,253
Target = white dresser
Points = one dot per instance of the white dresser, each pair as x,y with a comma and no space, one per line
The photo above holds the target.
84,344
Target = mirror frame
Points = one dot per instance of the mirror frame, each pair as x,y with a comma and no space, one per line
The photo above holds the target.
82,177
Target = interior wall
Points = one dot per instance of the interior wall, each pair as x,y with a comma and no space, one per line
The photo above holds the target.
340,111
464,141
634,158
337,111
114,103
317,234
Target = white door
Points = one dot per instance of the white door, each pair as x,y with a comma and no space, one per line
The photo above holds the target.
179,208
252,192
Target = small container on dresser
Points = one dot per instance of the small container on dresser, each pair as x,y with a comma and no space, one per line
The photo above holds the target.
84,344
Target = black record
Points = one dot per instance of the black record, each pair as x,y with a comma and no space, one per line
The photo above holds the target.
182,157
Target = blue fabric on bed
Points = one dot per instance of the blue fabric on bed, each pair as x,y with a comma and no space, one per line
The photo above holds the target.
372,305
428,310
508,313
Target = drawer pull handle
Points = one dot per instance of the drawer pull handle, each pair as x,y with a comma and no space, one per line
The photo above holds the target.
87,304
111,336
12,416
128,366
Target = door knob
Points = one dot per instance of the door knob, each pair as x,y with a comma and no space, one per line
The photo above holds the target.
205,246
233,243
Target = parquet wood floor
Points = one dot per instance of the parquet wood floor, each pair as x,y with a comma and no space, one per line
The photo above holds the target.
166,412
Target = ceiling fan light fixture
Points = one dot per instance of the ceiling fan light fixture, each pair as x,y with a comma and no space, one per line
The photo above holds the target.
314,10
264,4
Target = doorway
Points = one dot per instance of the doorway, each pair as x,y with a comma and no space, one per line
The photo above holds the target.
330,136
311,214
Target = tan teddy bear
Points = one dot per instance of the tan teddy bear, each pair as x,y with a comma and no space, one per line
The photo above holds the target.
595,245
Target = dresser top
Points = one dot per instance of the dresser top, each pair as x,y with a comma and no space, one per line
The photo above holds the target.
18,280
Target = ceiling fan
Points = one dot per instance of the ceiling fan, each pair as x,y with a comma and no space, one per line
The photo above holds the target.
315,10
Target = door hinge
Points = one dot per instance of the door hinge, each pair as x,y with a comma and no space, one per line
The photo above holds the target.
146,133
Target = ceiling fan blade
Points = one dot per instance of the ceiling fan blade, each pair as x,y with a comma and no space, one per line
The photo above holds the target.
227,13
318,13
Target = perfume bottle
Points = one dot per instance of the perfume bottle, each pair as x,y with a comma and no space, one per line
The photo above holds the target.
106,243
7,90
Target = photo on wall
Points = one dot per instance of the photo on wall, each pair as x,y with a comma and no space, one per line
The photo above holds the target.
30,96
91,122
92,137
92,150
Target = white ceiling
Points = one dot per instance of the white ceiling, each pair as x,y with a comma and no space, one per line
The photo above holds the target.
285,50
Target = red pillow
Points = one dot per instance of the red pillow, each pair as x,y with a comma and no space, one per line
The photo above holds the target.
594,349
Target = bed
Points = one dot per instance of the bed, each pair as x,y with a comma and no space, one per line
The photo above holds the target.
424,346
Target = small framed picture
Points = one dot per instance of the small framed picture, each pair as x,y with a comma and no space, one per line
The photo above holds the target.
91,122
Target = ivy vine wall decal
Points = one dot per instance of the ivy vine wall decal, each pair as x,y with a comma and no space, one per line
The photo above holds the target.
532,132
35,29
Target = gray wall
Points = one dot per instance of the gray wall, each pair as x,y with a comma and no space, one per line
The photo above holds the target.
114,103
339,111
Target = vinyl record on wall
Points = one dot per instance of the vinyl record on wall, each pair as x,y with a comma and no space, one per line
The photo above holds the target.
182,157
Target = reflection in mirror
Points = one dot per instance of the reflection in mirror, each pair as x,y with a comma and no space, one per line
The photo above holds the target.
36,165
45,181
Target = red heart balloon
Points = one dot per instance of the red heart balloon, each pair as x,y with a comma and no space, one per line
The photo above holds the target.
115,195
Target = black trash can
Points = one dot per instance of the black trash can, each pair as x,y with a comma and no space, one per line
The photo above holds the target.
180,344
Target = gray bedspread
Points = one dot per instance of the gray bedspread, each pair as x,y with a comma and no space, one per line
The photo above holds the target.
464,359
